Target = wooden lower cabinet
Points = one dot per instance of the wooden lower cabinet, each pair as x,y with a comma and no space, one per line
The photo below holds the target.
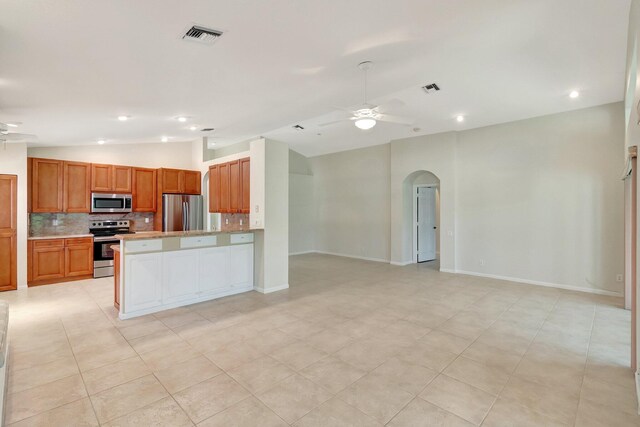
8,232
48,259
78,257
59,260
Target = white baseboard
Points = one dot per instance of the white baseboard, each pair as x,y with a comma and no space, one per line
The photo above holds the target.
401,263
446,270
272,289
301,253
353,256
537,283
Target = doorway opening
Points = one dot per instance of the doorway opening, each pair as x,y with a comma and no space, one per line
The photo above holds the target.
425,229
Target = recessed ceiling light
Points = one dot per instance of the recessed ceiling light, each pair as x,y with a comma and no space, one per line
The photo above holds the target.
123,118
460,119
182,119
193,127
164,139
12,125
101,141
574,94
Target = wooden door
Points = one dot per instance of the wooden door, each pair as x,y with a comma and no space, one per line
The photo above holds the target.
8,229
46,185
121,179
101,177
144,190
48,259
225,196
172,181
235,187
214,189
245,185
77,187
78,257
192,182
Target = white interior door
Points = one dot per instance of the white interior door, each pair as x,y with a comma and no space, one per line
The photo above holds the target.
426,224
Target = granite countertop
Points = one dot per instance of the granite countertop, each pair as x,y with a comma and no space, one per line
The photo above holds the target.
59,236
141,235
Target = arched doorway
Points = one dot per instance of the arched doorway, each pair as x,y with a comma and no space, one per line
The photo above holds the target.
421,217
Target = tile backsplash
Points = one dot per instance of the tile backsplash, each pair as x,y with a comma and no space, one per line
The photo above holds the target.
234,222
41,224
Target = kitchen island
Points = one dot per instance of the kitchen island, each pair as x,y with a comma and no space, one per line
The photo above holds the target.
163,270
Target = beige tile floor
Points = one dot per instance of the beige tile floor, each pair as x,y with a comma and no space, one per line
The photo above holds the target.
350,343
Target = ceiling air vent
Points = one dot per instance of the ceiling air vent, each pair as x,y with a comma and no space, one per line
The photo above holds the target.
207,130
298,127
202,35
432,88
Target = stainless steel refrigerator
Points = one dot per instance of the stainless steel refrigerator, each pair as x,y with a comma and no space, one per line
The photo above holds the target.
181,213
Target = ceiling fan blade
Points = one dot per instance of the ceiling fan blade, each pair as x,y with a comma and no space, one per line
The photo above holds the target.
395,119
18,137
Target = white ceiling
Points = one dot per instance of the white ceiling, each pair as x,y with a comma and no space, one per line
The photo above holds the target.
69,68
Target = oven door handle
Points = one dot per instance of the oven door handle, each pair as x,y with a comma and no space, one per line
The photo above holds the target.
105,239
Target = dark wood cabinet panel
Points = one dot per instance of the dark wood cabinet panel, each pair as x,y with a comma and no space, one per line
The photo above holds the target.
214,189
46,185
245,182
225,197
192,182
8,229
144,190
121,179
77,187
101,177
235,198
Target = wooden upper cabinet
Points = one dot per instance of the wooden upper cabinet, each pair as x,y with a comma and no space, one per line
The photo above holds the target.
214,189
101,177
77,187
172,180
192,182
121,179
46,185
235,198
225,196
8,232
144,190
245,183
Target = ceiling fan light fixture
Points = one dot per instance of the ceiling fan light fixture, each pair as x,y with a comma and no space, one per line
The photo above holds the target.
365,123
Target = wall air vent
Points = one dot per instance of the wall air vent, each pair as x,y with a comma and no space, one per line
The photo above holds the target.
202,35
432,88
207,130
298,127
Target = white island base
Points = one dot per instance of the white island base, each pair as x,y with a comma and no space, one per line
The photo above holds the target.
167,271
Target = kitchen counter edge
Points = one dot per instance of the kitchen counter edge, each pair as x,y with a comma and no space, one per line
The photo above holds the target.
165,234
59,236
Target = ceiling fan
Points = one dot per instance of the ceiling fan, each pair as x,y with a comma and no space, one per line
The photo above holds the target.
6,136
368,115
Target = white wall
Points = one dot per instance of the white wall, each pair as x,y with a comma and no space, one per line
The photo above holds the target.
542,199
13,161
301,214
170,155
352,202
538,200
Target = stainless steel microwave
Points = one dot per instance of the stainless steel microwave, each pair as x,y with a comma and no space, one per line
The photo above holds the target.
108,203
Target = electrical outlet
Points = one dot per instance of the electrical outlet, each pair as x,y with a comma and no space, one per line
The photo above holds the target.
450,233
240,222
618,277
226,221
482,262
146,220
54,222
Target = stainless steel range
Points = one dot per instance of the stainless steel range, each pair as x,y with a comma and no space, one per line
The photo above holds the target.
103,237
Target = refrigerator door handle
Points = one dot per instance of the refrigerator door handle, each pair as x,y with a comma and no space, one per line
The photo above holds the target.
184,217
188,227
